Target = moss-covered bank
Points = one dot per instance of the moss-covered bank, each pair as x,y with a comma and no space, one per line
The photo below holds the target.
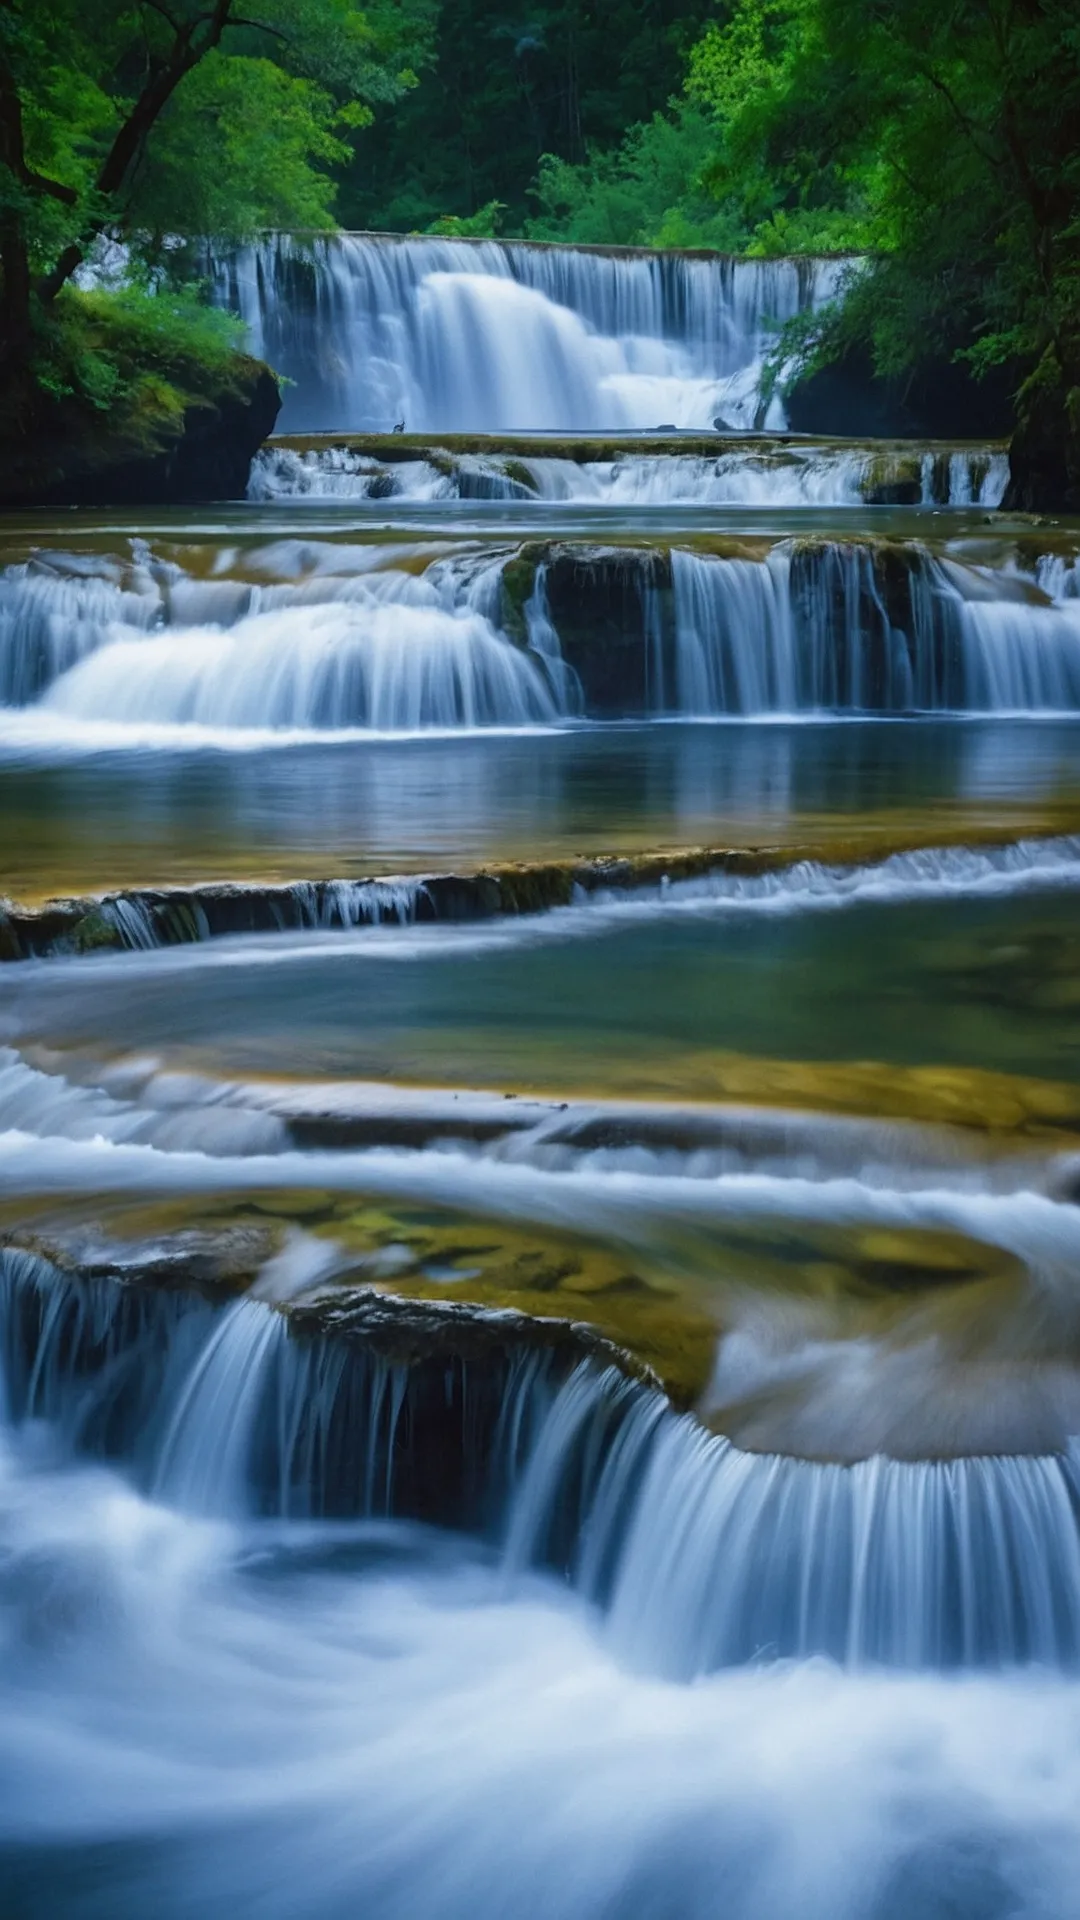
130,400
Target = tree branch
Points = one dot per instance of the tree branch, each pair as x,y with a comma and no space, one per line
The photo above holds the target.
260,26
54,188
164,12
970,127
185,54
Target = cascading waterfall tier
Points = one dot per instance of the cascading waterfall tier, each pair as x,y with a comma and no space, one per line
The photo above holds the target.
350,644
701,1557
497,335
756,475
811,626
315,638
858,628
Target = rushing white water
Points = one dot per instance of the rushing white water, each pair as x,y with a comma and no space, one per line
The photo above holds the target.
354,645
833,635
754,477
388,668
248,1717
330,639
493,336
701,1556
287,1724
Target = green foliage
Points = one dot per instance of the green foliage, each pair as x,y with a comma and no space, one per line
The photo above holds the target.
937,141
936,138
706,172
511,83
156,121
960,123
648,192
484,224
239,115
141,357
246,146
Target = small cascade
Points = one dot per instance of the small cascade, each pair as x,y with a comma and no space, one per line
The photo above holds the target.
227,1409
383,668
204,1462
544,643
706,1557
56,609
758,475
175,1116
350,646
91,1358
329,640
735,641
700,1556
837,627
490,336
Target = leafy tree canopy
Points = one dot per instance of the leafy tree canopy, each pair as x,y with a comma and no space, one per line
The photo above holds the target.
154,120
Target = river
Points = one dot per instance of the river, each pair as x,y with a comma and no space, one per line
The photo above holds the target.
540,1061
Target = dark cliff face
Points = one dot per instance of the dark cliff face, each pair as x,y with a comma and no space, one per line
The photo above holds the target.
66,458
941,400
1044,457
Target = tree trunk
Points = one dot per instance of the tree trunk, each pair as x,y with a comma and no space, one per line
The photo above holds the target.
15,324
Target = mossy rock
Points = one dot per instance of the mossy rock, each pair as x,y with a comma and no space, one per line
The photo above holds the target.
542,1274
518,582
94,933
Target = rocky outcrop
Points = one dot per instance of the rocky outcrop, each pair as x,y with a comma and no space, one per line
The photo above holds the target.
70,458
375,1404
609,607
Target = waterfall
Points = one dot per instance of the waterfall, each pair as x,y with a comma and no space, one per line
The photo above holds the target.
490,336
388,669
754,476
849,628
734,638
379,648
701,1556
297,1719
706,1557
53,611
328,639
544,643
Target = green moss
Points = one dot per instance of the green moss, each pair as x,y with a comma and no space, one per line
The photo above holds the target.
519,447
518,581
437,1254
94,932
520,474
534,888
140,358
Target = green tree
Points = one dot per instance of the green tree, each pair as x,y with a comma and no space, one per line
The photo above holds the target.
958,118
712,168
153,120
513,80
